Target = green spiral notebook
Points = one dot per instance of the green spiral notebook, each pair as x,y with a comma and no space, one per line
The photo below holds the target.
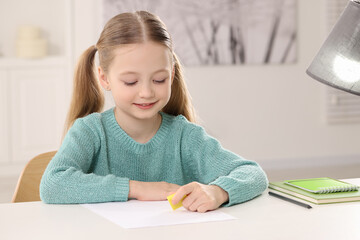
304,190
322,185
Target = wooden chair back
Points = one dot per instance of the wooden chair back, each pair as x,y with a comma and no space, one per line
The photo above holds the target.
27,189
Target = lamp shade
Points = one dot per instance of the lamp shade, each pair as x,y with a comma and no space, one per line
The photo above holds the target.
338,61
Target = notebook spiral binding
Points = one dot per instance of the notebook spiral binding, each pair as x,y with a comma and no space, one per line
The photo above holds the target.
337,189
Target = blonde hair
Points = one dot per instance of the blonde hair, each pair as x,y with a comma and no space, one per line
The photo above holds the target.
125,28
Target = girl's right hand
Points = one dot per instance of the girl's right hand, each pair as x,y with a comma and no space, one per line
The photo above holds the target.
151,191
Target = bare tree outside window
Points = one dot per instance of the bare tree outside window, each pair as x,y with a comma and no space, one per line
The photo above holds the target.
219,32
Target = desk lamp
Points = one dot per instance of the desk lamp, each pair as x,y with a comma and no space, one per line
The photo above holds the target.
338,61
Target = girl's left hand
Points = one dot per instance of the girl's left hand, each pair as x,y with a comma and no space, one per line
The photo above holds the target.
200,197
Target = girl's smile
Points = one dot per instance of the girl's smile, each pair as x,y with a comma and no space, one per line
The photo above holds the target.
145,106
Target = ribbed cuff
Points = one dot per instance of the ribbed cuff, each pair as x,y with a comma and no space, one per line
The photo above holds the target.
220,182
237,193
122,189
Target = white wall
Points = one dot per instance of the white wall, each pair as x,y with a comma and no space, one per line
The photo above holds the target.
275,111
261,112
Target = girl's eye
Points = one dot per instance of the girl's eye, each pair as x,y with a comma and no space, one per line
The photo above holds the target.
130,83
159,81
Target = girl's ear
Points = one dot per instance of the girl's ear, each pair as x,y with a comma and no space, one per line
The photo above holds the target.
103,79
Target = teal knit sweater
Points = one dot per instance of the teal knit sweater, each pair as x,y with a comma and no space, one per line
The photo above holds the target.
97,159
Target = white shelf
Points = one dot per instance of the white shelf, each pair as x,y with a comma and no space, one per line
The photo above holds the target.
9,63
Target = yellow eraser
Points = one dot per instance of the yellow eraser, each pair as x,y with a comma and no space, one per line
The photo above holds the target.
175,206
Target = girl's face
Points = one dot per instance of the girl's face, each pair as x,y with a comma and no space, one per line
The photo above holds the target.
139,78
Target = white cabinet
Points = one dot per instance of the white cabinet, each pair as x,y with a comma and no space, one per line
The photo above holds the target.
37,111
4,134
34,98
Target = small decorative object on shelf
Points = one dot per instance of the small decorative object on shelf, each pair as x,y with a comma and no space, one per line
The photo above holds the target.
30,43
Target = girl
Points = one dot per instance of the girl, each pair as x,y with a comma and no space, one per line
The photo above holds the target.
147,147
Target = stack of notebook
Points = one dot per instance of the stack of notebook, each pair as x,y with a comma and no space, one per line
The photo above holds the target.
318,190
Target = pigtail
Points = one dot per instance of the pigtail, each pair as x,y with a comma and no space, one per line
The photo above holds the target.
180,100
87,96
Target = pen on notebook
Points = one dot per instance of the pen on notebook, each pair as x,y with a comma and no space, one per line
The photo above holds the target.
290,200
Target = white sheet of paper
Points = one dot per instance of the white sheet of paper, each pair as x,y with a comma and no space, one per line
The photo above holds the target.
139,214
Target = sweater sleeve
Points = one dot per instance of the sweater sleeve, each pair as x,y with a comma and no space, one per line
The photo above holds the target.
67,178
209,163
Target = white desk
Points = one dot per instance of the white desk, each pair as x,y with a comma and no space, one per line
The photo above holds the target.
265,217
